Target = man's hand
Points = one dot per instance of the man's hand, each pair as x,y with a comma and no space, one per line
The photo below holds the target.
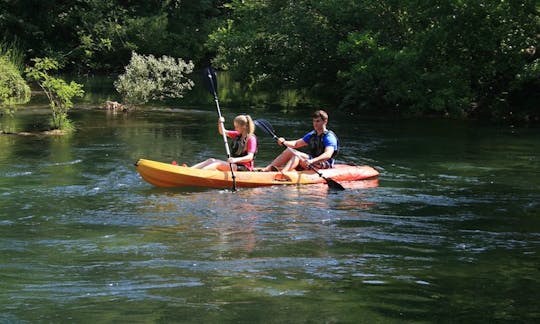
305,164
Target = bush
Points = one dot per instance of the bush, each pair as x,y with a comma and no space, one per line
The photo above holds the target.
150,78
13,88
58,91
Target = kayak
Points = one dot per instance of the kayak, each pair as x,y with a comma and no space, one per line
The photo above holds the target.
162,174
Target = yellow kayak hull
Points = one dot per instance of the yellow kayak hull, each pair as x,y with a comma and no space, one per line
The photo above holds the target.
162,174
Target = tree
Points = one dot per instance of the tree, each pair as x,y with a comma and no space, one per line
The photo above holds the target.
150,78
278,44
89,36
455,57
451,57
58,91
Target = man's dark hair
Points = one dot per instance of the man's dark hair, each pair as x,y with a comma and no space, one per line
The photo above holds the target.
320,114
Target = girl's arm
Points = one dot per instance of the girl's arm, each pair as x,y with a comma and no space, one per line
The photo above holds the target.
245,158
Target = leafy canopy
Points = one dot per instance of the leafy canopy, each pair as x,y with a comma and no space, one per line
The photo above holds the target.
452,57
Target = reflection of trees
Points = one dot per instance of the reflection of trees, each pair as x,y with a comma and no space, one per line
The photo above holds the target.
6,147
63,163
9,124
183,135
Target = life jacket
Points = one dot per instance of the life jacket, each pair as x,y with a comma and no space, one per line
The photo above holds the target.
239,146
316,144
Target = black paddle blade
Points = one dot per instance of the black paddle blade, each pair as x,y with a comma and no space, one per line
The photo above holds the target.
265,126
334,185
331,183
210,80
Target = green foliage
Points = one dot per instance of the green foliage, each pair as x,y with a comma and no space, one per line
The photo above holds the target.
12,53
525,95
58,91
95,35
453,57
149,78
456,57
13,88
276,43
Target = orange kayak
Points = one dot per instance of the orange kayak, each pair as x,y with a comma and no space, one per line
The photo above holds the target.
162,174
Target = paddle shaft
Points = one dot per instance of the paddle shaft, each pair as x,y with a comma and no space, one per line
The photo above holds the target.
222,126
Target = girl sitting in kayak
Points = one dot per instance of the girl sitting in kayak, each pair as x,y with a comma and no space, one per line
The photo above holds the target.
244,147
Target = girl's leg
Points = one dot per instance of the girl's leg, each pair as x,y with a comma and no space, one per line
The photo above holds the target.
203,164
214,164
224,166
217,165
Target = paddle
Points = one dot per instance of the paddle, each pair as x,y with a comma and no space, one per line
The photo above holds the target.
266,127
210,81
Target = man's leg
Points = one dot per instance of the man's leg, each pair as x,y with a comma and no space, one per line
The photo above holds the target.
294,161
280,160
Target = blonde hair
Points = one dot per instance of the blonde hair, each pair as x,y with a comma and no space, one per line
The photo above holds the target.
246,123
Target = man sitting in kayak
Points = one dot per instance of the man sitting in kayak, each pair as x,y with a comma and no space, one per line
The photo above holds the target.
323,147
244,147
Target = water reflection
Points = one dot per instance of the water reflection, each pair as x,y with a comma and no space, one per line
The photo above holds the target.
438,237
233,223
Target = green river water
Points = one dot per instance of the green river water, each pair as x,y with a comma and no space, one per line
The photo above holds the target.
451,233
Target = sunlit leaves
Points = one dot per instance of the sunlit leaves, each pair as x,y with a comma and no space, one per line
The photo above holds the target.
149,78
13,88
59,92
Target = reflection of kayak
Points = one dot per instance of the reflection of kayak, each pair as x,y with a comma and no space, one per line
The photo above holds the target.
168,175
